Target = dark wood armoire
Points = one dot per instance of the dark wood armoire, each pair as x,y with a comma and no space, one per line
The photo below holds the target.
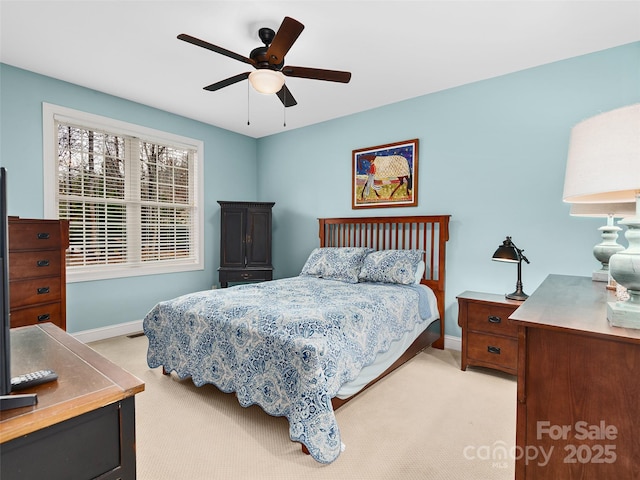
245,242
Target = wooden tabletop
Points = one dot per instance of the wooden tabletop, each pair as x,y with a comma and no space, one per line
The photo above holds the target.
577,304
498,299
86,380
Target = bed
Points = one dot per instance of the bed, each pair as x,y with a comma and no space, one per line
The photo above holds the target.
368,299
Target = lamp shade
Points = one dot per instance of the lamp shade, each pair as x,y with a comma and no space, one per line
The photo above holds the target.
266,81
506,253
603,162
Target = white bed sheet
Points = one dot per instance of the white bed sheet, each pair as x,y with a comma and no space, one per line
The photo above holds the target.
385,359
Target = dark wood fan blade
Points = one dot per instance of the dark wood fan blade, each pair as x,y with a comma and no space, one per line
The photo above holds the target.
285,97
215,48
287,34
317,74
229,81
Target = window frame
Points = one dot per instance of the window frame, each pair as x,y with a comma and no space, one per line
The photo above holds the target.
53,113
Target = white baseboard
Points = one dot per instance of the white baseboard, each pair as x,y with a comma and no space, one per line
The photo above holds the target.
111,331
452,343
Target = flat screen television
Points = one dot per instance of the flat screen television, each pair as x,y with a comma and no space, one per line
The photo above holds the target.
7,400
5,354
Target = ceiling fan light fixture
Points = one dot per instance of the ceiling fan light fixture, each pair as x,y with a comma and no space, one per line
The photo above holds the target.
266,81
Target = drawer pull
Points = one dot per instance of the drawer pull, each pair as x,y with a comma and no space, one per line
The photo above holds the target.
43,236
44,317
494,319
43,263
492,349
43,290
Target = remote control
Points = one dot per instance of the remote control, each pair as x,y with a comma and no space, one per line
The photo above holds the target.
32,379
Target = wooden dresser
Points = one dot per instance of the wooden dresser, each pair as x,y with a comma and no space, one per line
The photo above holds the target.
37,273
489,338
578,411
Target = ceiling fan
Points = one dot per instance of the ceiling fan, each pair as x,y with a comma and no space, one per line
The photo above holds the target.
268,61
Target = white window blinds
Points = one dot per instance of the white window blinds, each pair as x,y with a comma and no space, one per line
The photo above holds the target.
131,200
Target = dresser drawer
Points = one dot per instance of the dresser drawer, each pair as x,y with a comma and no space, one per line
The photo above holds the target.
491,319
34,236
45,263
50,312
501,351
32,292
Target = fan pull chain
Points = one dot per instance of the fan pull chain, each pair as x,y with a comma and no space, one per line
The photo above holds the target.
248,122
284,108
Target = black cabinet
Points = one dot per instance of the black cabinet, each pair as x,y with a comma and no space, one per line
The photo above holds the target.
245,242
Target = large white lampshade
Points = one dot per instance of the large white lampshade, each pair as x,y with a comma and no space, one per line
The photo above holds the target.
266,81
603,166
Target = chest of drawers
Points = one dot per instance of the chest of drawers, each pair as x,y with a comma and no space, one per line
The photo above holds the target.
37,274
578,389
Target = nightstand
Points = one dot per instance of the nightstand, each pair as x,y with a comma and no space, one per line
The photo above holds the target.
489,338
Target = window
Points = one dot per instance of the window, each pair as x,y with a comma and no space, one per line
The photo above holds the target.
132,195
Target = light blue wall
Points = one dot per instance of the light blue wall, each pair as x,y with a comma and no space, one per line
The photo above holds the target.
492,154
102,303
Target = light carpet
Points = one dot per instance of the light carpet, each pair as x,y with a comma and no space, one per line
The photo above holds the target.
427,420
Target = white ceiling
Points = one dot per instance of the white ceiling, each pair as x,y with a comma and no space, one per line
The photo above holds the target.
395,49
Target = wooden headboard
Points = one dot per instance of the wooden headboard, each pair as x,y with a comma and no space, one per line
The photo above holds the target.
425,232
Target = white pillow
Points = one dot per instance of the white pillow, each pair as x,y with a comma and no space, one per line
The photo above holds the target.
335,263
391,266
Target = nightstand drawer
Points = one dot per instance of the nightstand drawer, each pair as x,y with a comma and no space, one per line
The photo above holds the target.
491,319
501,351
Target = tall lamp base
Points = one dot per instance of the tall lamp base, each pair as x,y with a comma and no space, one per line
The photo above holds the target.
625,269
625,314
605,249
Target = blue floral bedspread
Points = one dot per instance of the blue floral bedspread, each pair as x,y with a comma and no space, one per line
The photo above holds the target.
286,345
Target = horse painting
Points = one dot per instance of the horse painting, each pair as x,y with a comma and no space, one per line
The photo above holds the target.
385,175
383,169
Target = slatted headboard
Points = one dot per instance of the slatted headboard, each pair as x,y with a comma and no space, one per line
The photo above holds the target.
425,232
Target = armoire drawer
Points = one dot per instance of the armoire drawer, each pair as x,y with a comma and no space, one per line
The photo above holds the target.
245,275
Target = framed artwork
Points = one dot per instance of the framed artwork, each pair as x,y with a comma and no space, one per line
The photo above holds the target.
385,176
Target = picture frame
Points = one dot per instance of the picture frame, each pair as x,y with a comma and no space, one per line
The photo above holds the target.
385,175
